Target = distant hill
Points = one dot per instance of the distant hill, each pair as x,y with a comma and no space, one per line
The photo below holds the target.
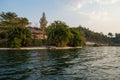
92,36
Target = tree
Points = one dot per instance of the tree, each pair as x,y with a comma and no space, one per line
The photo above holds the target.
23,22
16,43
19,36
117,38
110,34
43,22
11,19
7,18
92,36
3,35
77,38
59,34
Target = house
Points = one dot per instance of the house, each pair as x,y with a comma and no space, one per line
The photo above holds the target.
37,33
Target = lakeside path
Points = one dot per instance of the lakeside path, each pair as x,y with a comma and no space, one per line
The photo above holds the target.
39,48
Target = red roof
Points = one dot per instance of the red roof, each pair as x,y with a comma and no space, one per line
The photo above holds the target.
35,30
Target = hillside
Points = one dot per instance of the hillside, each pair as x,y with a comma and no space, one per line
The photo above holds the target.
92,36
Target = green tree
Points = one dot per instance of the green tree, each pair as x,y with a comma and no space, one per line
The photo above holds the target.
16,43
116,40
8,18
92,36
77,38
11,19
59,34
3,35
19,36
110,34
23,22
43,22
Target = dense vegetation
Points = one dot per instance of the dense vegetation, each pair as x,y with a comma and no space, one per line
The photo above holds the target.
100,38
12,19
10,33
14,33
60,35
92,36
18,37
77,38
115,40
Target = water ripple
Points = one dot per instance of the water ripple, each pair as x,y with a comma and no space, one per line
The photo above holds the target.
89,63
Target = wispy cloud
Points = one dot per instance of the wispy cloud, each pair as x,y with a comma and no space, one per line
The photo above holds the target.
78,4
107,2
96,15
99,17
75,7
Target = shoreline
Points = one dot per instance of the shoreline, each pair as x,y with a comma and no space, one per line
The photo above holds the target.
40,48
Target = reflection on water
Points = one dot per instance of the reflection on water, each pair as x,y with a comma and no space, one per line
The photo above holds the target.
89,63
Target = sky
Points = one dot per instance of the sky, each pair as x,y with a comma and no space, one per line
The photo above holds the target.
97,15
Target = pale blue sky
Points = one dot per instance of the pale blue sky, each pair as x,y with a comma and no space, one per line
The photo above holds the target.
97,15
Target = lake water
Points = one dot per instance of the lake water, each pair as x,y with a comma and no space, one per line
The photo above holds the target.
89,63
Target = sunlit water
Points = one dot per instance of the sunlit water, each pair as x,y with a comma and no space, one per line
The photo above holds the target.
89,63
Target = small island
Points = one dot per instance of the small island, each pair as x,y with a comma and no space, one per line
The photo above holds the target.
17,33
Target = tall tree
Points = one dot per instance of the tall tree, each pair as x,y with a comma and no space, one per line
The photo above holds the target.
43,23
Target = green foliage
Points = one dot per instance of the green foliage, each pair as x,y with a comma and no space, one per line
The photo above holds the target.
110,34
22,21
93,36
8,19
5,28
19,36
43,22
3,35
7,16
16,43
116,40
11,19
3,43
77,38
36,42
59,34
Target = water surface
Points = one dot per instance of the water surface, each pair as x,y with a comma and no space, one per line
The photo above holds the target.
89,63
